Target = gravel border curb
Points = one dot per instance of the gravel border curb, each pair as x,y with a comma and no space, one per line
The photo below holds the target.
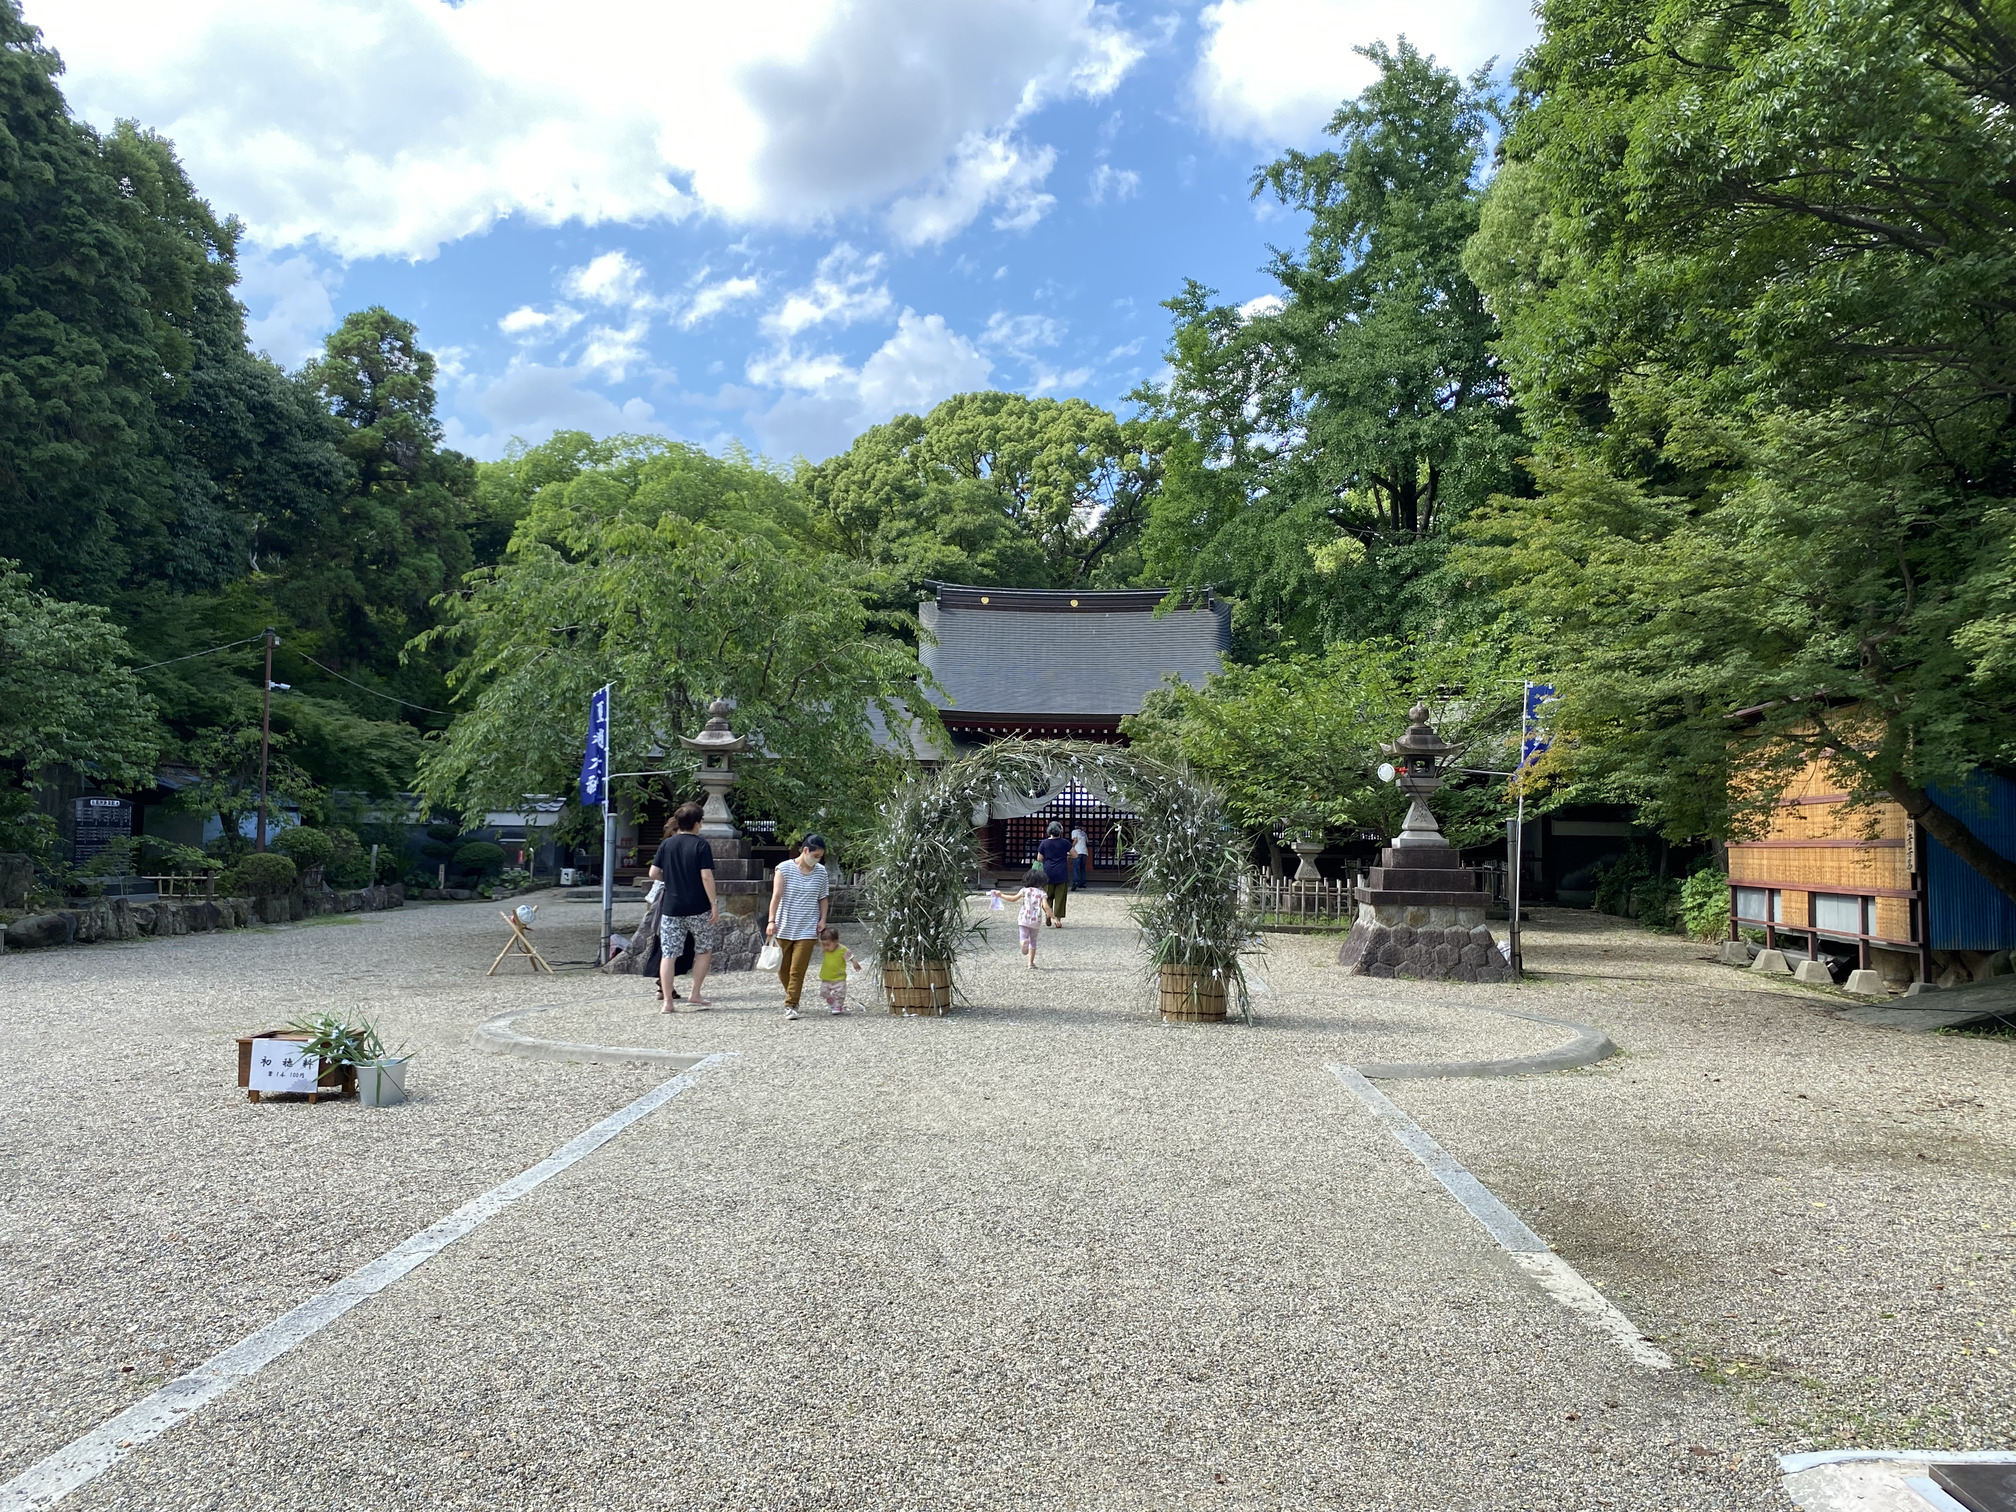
497,1036
1589,1046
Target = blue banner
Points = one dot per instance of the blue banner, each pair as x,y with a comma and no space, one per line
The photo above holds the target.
1533,740
595,761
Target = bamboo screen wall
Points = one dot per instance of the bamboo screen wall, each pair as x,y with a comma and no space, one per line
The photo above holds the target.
1817,844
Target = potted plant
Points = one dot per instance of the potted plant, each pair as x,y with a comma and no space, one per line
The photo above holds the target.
380,1073
1191,907
916,895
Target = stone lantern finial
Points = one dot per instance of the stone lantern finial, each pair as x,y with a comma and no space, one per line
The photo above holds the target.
716,742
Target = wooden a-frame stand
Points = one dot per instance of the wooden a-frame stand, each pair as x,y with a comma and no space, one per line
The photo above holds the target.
520,943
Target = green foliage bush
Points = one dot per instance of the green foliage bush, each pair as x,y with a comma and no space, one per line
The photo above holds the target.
349,863
480,856
307,848
260,876
1704,905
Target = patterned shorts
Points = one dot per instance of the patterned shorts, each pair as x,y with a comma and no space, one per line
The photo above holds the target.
834,996
672,934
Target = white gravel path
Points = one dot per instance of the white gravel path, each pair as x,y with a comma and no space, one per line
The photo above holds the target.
1044,1253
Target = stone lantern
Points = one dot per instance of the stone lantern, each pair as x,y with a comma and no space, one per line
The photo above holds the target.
716,743
1421,910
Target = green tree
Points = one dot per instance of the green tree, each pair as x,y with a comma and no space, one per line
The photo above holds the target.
105,252
1317,447
66,695
66,699
674,614
1752,263
992,488
365,573
1295,743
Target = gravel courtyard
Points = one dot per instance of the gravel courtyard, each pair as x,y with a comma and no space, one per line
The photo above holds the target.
1044,1253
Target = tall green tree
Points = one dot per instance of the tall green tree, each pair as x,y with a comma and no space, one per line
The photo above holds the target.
1753,266
992,488
675,614
107,262
1321,441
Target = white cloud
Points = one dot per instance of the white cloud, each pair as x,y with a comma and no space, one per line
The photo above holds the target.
1021,335
612,278
613,352
925,361
1113,183
527,321
1275,71
387,127
289,305
1262,304
986,170
1048,380
846,287
827,403
713,298
532,400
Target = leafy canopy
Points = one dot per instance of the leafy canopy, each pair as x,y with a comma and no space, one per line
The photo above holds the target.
1317,442
674,613
1754,268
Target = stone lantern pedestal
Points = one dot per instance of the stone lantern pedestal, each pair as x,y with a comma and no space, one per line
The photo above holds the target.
1421,910
738,876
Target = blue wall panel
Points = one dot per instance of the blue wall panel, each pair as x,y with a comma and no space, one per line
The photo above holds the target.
1966,912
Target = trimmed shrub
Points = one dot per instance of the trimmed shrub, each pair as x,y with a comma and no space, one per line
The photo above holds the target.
307,848
480,856
1704,905
349,862
261,876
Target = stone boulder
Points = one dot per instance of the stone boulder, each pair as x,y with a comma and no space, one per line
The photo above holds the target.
38,931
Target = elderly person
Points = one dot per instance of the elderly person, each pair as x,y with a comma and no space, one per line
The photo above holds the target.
1055,854
799,898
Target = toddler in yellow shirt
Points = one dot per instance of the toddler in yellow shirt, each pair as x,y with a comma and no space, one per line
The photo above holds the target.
834,965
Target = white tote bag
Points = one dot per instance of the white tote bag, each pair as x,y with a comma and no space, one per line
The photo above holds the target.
770,957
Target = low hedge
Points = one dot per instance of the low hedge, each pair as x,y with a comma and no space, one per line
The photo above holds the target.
260,876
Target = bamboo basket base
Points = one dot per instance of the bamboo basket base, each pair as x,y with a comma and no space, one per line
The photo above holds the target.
1192,995
924,991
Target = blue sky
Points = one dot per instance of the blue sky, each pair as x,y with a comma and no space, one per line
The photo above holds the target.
777,222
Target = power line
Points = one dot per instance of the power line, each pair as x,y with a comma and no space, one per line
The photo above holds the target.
423,708
372,691
194,654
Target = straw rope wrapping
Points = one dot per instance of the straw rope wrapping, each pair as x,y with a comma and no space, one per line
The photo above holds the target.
1191,907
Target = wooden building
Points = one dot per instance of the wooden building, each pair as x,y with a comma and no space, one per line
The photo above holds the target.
1869,884
1060,665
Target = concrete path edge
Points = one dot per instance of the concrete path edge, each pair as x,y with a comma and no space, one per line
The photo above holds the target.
499,1037
1589,1046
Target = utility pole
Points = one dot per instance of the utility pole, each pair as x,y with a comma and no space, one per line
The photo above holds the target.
265,730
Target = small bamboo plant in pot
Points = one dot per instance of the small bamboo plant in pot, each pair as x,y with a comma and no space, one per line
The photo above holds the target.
381,1072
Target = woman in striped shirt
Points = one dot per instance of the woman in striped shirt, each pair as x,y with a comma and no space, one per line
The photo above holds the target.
799,899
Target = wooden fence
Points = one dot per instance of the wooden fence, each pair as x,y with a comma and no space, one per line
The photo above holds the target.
1282,900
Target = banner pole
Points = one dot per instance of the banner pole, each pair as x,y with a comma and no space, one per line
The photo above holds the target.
1518,846
608,828
1518,866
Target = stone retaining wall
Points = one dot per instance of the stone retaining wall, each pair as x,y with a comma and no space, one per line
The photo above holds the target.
129,919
